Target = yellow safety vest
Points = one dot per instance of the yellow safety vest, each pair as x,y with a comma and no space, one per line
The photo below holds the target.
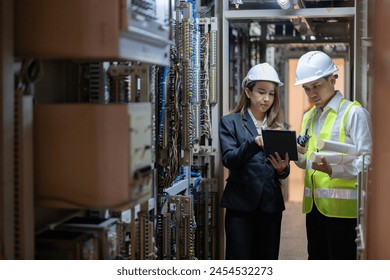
333,197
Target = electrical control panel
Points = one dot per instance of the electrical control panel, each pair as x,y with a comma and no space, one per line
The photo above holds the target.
104,230
147,30
140,151
66,245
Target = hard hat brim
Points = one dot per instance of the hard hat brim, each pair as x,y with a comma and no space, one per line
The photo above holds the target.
245,82
262,72
312,79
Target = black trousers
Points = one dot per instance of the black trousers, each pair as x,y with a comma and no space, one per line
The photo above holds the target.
330,238
252,235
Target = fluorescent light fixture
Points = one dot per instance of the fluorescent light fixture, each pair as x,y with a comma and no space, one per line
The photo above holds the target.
284,4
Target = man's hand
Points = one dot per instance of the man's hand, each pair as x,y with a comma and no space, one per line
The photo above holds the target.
301,150
322,166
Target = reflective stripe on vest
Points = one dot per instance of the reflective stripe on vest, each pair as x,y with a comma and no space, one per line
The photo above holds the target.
332,193
333,197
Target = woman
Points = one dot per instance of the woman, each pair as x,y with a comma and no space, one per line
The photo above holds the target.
253,197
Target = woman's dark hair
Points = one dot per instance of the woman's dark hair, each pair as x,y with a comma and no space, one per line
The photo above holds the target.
274,114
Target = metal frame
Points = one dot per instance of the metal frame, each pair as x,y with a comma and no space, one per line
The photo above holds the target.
360,53
7,219
229,15
289,14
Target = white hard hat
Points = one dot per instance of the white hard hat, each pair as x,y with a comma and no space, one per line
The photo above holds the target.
313,66
261,72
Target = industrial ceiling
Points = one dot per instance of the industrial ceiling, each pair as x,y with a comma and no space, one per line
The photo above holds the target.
332,22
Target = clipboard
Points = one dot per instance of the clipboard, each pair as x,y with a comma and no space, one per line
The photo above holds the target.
280,141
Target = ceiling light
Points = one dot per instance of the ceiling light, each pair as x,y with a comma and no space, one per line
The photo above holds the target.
284,4
237,3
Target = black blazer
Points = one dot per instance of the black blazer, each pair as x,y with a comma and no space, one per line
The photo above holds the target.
252,180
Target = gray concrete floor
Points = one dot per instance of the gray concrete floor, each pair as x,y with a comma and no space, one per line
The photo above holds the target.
293,237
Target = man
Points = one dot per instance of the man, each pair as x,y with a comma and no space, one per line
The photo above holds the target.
330,194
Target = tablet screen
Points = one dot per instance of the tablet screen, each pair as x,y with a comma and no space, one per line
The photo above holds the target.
280,141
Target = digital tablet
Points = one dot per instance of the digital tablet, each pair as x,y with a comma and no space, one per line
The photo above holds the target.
280,141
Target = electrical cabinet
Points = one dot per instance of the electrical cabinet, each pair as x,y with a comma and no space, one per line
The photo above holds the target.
104,230
140,152
86,155
92,29
66,245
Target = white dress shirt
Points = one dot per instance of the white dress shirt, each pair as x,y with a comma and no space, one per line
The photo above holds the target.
358,133
263,125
